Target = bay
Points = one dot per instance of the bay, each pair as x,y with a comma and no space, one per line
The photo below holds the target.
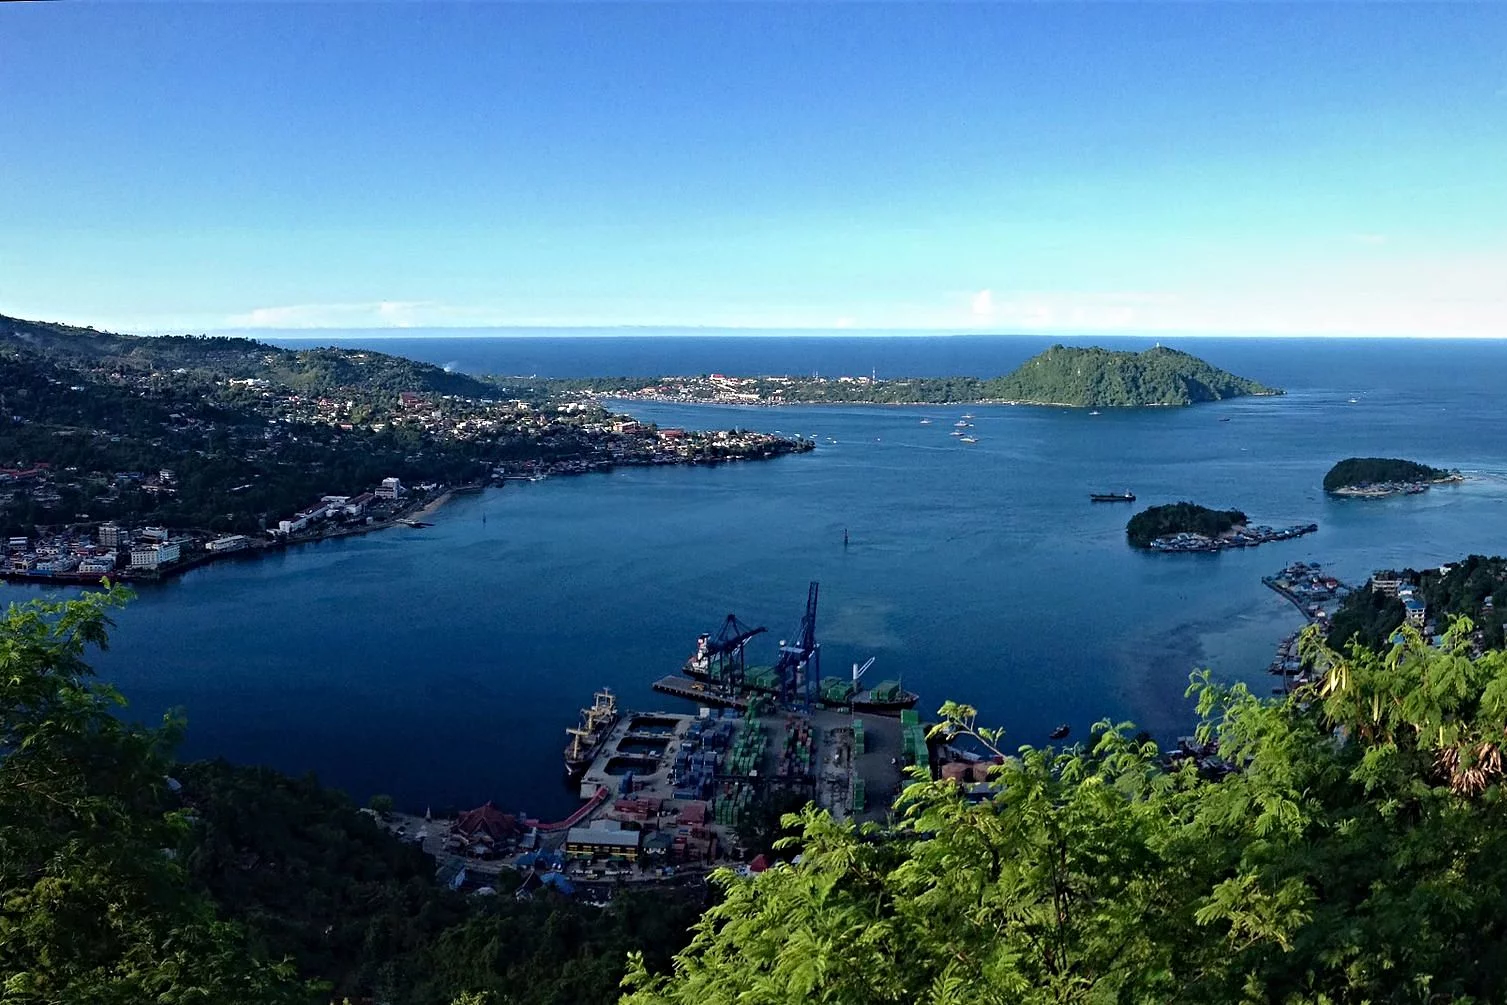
441,665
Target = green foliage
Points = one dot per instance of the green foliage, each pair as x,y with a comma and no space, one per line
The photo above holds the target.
1094,377
93,908
1359,472
1367,618
1475,587
312,879
1178,518
1357,852
115,891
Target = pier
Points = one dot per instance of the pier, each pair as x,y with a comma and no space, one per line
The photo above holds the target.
691,690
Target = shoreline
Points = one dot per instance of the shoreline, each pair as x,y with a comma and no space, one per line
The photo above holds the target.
668,400
1398,489
257,551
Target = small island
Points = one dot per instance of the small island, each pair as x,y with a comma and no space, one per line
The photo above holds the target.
1185,526
1100,378
1377,477
1061,376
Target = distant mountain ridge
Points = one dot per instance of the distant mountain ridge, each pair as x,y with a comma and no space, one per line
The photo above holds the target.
309,371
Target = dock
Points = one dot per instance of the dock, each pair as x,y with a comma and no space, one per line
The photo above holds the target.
690,690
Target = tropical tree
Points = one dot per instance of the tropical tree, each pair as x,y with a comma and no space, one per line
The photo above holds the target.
93,906
1347,845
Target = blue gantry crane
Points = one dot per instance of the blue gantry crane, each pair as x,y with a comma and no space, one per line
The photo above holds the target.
799,666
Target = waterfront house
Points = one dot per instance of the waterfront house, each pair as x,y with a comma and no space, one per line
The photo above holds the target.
488,824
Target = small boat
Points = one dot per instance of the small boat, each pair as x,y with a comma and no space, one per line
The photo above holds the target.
1060,732
967,439
1094,412
1352,401
960,424
925,422
957,432
967,415
1111,497
1224,418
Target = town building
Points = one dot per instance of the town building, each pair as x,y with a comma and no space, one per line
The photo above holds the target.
603,839
152,556
235,542
111,535
390,488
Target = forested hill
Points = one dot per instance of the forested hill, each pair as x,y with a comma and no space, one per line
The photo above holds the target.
307,371
1094,377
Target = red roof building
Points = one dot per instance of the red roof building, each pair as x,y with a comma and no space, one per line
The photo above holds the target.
489,822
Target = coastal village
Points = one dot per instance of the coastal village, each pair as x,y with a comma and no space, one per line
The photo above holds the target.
1236,537
567,438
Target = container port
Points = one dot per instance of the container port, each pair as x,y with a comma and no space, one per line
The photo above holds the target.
665,794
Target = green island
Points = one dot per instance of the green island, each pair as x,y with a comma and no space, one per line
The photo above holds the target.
1180,518
1374,477
1344,844
1061,375
243,446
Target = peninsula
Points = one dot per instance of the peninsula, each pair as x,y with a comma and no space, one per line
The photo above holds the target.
1377,477
137,457
1062,376
1186,526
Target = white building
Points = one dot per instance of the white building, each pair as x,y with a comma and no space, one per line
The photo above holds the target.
155,533
235,542
294,526
390,488
151,556
111,536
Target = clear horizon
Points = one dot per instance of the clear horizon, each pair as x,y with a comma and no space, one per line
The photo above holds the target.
1201,169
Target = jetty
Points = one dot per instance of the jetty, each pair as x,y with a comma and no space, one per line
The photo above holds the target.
704,694
1238,537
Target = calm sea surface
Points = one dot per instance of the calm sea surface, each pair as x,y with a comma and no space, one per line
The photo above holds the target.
441,665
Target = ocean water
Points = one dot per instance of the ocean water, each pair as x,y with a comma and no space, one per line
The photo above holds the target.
442,665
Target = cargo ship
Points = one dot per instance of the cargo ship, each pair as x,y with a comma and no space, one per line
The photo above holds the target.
885,698
1111,497
587,738
720,661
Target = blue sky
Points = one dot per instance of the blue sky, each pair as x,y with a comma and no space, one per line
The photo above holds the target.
1196,167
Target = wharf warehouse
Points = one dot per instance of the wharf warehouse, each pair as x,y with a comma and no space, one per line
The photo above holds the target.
602,840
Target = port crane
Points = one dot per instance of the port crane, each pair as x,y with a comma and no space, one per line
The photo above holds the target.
799,665
722,657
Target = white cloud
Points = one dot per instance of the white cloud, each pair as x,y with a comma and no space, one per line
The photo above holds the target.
377,314
983,304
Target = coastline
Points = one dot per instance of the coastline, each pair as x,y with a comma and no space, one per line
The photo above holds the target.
260,549
1391,489
665,399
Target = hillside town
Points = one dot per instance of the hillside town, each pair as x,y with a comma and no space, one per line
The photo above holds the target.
248,442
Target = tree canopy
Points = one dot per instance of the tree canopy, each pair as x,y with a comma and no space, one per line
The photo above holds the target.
1180,518
238,885
1356,852
1358,472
